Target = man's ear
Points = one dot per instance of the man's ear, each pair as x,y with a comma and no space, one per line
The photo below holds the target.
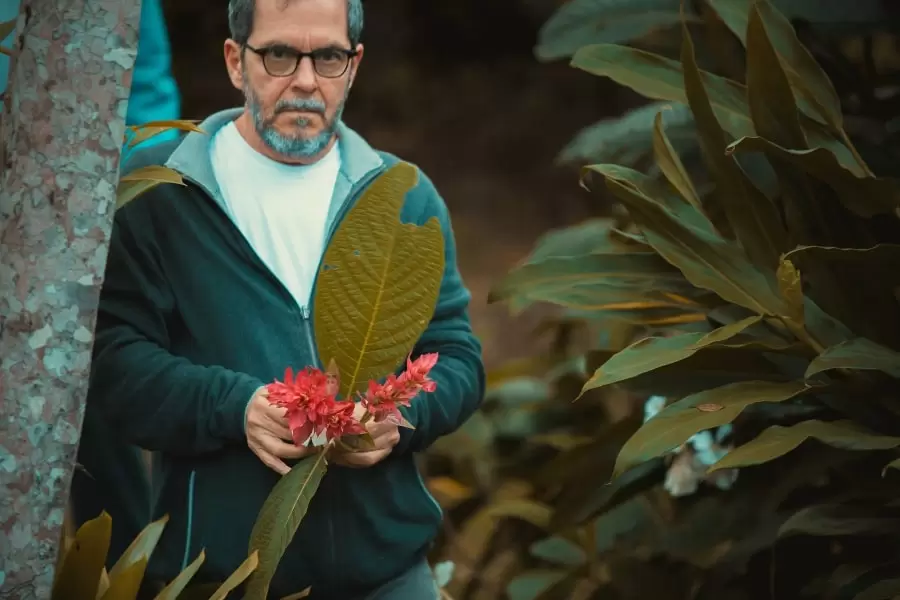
234,63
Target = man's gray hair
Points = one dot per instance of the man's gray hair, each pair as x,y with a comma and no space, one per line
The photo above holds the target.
240,20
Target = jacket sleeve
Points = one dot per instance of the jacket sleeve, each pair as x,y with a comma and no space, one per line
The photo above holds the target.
459,372
152,398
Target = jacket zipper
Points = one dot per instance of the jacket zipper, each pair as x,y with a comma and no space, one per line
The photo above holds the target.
306,311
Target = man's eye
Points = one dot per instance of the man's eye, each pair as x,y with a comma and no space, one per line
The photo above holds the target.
279,53
328,55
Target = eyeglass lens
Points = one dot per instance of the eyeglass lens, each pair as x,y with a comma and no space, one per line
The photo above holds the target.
326,62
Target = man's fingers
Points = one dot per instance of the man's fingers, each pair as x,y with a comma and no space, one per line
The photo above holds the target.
273,463
281,449
359,460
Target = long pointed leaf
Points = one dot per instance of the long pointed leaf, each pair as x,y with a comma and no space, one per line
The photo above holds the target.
865,195
671,166
661,78
707,261
676,423
769,95
125,584
777,441
840,519
859,354
652,353
806,76
140,180
145,131
279,519
84,560
378,287
181,581
240,574
565,272
752,215
142,547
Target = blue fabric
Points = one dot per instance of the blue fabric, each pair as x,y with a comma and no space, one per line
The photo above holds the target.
154,93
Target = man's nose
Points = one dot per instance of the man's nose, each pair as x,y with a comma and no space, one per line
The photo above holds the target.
305,76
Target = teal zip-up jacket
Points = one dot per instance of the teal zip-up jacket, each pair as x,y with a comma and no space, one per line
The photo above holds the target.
191,323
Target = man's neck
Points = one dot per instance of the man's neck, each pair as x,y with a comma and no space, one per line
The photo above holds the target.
245,127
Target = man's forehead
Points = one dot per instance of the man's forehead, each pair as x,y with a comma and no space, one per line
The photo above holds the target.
293,20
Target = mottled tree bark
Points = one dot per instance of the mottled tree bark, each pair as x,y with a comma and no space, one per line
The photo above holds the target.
62,131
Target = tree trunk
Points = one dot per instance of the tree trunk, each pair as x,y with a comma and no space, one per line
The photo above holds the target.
62,132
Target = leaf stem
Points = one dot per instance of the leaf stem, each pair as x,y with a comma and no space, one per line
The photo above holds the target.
802,334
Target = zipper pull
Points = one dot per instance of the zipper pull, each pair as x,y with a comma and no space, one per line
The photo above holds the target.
304,310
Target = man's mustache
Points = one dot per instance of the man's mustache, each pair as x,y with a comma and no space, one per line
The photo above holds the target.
300,105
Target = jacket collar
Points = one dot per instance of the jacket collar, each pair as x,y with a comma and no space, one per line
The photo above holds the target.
192,159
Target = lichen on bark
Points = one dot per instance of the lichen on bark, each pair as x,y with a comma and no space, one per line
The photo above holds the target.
62,130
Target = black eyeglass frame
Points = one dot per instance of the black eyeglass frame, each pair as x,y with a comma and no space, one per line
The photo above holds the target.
262,52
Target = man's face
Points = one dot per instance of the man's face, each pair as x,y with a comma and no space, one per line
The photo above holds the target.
295,115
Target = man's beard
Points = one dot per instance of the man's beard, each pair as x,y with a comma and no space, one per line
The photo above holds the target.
292,146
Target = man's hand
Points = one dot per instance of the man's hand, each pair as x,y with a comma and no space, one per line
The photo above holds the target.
384,434
268,434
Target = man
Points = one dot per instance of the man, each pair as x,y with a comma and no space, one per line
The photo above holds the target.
207,298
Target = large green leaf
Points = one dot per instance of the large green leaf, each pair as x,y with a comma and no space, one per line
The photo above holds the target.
379,283
865,195
627,139
580,22
651,353
858,354
83,562
841,519
807,78
707,261
752,215
279,519
661,78
777,441
676,423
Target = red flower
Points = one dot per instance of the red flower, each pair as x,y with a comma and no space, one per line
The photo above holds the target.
382,399
312,407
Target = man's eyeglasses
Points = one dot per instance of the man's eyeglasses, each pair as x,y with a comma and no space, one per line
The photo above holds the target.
282,61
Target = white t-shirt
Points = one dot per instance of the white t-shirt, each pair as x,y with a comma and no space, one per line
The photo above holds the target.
281,209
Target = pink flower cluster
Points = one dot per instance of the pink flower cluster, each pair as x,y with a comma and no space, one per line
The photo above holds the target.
310,398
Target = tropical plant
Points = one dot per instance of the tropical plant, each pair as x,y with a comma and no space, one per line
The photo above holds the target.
760,321
81,573
854,41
